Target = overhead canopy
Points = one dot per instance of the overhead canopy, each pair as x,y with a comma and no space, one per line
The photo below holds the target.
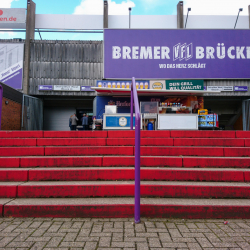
150,92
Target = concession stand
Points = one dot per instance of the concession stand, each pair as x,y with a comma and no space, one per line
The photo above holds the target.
162,105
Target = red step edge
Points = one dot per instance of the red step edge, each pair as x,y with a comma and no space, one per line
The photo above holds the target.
21,134
128,174
127,210
27,190
203,134
75,134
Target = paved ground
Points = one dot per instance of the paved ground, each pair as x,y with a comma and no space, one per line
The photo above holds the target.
80,233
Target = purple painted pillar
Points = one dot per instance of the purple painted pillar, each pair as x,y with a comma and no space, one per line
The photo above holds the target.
1,100
131,108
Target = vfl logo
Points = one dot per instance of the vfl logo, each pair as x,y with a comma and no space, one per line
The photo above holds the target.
183,51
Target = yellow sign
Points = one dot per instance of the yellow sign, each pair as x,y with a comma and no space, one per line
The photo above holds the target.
157,84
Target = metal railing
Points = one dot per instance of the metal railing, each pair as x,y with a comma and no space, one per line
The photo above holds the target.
134,100
246,114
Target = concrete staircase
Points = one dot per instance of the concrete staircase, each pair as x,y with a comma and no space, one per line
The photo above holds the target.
185,174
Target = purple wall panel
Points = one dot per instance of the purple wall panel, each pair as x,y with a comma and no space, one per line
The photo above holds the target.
176,54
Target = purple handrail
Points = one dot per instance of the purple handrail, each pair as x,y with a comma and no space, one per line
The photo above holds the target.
134,99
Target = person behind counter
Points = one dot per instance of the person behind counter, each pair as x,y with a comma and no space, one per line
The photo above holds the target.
70,122
74,120
195,109
85,122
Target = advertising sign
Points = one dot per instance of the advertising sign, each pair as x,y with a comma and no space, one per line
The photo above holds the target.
176,54
66,88
115,121
140,84
45,87
12,15
240,88
184,85
86,88
157,84
220,88
13,18
11,64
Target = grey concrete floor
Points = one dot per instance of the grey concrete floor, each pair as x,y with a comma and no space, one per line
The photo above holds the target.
87,234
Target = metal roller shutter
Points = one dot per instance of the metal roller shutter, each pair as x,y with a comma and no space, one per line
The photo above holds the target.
57,118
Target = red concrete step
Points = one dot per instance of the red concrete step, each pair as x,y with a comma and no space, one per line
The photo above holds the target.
61,161
21,134
124,207
2,203
90,150
144,134
237,152
202,134
9,189
153,161
125,161
9,174
21,151
13,142
88,161
81,189
9,162
144,141
124,141
216,162
247,142
177,151
94,174
209,142
242,134
71,142
75,134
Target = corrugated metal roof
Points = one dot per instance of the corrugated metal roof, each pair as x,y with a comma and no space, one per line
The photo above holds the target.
65,63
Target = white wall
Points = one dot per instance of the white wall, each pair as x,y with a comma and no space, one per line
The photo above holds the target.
55,21
143,22
216,22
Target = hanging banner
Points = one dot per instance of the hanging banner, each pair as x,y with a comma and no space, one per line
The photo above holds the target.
176,54
11,64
